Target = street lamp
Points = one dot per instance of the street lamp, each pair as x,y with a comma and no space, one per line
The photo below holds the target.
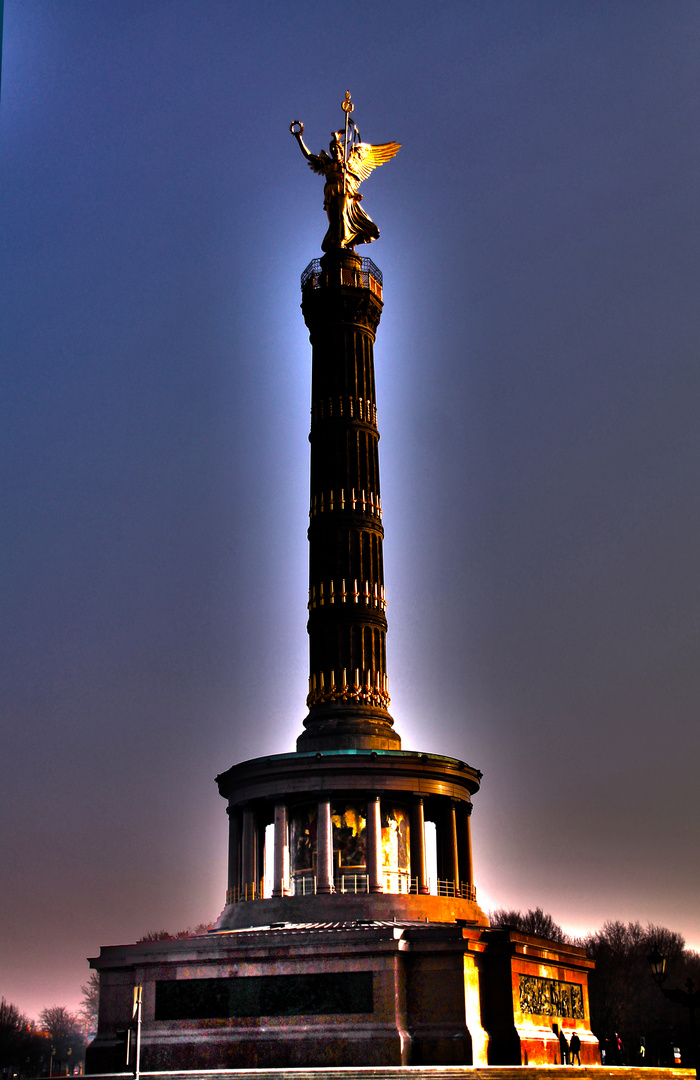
690,997
657,963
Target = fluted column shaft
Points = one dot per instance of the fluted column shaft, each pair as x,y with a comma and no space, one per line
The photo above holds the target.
348,689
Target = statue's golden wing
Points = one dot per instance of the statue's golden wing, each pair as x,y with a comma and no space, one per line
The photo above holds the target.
364,157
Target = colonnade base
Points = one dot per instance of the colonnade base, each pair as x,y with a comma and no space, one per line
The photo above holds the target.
346,907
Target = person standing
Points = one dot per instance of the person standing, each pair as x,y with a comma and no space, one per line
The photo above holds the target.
563,1047
575,1048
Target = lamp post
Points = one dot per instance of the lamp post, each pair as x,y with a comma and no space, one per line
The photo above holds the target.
690,997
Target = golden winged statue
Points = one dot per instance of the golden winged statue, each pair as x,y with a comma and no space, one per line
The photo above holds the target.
349,163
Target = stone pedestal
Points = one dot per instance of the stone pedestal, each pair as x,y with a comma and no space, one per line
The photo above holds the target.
361,993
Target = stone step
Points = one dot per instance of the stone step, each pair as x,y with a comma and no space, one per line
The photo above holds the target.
420,1072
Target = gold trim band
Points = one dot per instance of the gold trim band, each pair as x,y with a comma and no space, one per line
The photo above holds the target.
346,407
373,689
329,593
365,502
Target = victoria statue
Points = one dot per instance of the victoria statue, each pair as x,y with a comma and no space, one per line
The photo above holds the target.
349,163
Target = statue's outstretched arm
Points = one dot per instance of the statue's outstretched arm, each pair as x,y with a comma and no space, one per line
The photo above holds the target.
318,162
297,129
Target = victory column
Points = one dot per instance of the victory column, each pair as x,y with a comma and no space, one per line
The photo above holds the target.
357,952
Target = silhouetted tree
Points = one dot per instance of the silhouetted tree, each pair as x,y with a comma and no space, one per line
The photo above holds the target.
624,998
64,1030
22,1048
12,1024
536,922
90,1003
165,935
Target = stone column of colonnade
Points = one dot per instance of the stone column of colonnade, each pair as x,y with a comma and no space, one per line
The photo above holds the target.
250,870
324,848
246,847
234,855
419,866
280,886
466,860
374,845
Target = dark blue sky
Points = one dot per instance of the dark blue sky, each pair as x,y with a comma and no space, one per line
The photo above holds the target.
537,369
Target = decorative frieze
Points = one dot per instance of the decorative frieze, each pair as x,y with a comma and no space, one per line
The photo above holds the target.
550,997
335,592
370,689
358,502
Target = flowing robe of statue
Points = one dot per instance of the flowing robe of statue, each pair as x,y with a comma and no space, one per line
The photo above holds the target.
348,224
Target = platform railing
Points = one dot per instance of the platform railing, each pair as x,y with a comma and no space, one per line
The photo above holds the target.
395,882
460,890
304,885
352,883
253,890
368,276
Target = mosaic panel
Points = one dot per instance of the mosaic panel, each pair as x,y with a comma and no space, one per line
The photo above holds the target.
350,836
395,846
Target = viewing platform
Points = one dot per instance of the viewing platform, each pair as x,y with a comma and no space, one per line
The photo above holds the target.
363,276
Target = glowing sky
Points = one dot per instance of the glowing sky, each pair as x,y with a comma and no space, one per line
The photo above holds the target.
537,371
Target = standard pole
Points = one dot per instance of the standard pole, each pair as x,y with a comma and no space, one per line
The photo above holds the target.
345,157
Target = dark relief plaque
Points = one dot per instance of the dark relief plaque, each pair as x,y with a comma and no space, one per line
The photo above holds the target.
549,997
264,995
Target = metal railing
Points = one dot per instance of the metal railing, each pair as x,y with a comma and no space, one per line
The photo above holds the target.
254,890
395,882
304,885
458,890
368,277
352,883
